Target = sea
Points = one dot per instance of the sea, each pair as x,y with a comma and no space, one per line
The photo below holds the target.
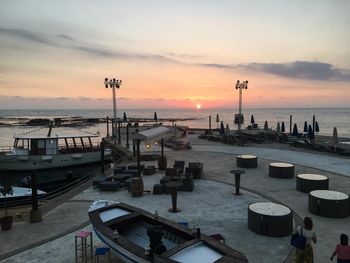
327,119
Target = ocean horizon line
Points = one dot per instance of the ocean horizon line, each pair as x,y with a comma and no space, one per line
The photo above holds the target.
164,109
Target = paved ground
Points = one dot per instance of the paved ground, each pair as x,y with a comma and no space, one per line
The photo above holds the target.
211,206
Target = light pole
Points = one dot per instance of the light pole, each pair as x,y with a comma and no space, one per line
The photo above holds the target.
241,86
113,83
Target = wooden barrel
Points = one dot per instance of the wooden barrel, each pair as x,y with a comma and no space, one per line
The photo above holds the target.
136,187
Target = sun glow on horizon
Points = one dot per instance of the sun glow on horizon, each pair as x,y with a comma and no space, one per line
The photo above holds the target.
198,106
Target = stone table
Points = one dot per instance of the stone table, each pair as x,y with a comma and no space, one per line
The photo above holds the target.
270,219
247,161
329,203
281,170
310,182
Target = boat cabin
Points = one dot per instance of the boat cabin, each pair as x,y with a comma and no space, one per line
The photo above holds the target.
35,145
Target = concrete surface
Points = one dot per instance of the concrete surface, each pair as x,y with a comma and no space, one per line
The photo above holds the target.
211,206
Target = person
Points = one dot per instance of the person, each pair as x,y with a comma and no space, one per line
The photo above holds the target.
306,255
342,250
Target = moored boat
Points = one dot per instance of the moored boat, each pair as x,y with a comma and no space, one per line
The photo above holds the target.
19,195
37,151
142,237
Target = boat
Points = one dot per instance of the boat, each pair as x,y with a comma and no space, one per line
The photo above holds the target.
138,236
32,151
20,195
177,144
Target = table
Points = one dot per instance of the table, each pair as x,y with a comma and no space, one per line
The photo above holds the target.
237,174
309,182
173,186
329,203
281,170
270,219
247,161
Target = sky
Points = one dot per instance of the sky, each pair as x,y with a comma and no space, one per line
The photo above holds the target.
174,54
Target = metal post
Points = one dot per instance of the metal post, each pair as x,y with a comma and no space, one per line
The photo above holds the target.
35,205
114,104
119,139
127,136
107,121
102,146
162,146
113,83
240,86
290,123
113,131
240,109
209,124
35,214
313,128
138,157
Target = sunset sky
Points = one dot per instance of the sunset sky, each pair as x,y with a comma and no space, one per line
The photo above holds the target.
174,54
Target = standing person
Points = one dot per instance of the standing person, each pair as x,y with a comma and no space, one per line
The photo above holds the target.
306,255
342,250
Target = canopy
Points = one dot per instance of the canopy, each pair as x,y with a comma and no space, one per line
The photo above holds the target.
151,133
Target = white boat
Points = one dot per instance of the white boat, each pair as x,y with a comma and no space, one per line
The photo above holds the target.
20,195
37,151
138,236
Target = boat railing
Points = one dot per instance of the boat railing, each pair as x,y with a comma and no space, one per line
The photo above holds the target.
6,149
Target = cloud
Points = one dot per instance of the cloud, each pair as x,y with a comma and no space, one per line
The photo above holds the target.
63,36
303,70
309,70
297,69
76,45
25,34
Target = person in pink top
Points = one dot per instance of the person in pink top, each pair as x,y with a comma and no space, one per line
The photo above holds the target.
342,250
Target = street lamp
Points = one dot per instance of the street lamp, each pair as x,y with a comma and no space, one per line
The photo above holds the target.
113,83
241,86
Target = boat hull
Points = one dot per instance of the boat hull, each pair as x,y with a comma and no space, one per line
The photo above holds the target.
135,234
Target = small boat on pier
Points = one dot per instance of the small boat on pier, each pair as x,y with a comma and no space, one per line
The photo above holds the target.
142,237
20,195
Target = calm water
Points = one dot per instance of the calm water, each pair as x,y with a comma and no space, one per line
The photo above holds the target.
326,118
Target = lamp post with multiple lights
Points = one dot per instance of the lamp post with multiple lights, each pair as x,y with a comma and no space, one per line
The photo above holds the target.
113,83
241,86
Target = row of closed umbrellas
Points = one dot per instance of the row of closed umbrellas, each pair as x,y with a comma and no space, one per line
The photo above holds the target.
281,128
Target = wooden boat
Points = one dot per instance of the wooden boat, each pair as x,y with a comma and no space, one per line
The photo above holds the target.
38,151
140,237
20,195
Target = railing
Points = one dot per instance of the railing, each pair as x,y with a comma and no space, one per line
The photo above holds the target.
6,149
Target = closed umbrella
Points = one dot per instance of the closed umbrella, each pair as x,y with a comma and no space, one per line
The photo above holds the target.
295,130
124,118
335,136
217,120
278,127
317,128
252,121
310,133
227,131
155,117
283,128
305,126
266,126
222,128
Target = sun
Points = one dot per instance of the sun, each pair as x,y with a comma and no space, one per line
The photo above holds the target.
198,106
